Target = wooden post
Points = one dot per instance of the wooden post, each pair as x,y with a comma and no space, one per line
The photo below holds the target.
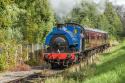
27,52
21,49
37,51
7,56
15,57
32,55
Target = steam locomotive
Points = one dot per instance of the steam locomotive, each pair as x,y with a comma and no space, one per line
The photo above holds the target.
66,43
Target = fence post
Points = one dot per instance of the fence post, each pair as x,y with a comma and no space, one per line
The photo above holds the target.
21,49
15,57
33,55
41,53
7,55
27,52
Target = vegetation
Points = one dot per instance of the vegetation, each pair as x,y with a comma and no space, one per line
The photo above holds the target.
110,68
27,22
22,22
108,21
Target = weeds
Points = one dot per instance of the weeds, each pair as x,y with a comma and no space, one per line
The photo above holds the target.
109,69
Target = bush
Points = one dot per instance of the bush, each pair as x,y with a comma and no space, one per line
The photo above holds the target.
3,64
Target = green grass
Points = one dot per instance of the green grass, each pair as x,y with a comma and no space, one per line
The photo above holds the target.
109,69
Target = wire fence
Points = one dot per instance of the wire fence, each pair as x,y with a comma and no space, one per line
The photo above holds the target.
18,54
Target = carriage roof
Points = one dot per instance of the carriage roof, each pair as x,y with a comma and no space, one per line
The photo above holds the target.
95,30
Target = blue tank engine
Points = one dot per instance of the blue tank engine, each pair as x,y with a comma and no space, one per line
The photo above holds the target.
66,43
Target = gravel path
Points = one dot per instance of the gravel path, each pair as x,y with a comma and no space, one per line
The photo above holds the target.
10,76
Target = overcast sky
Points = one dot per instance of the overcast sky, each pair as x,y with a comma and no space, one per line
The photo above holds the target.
115,2
118,2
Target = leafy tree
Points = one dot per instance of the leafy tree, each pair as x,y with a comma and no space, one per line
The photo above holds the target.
26,20
115,24
38,20
108,21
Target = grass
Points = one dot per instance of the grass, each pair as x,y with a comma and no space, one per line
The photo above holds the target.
109,69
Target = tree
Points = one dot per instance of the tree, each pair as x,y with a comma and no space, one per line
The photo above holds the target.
109,21
115,24
26,20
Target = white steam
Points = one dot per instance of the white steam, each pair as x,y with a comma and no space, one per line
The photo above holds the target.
63,7
101,5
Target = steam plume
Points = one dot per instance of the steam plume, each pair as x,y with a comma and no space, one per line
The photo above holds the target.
63,7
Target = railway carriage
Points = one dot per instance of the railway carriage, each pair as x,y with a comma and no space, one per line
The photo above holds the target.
66,43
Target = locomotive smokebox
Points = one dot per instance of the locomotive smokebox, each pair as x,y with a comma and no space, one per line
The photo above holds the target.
59,25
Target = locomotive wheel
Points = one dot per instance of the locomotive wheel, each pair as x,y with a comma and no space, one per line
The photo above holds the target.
53,66
56,66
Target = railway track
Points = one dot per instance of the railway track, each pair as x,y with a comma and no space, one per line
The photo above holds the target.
39,77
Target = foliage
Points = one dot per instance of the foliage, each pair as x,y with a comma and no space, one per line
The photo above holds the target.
7,55
33,62
109,21
37,20
115,24
22,22
27,21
